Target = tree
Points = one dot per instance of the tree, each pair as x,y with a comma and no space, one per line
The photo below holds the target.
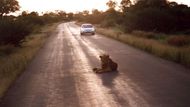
8,6
172,4
125,4
62,14
24,13
151,3
70,16
86,12
111,4
96,17
96,12
157,3
34,14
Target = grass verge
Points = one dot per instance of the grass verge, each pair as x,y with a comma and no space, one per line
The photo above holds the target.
13,60
173,53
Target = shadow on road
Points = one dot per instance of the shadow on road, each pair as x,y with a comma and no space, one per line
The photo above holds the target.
108,78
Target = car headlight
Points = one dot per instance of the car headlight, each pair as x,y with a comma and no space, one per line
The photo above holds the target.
82,30
93,29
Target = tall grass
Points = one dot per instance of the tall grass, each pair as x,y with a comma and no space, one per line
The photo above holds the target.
173,53
14,63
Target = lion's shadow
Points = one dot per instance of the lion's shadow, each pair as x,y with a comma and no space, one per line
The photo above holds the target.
108,78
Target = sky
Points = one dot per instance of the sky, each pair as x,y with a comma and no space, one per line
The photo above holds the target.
66,5
69,5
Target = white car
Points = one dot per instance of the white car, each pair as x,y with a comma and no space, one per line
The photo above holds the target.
87,29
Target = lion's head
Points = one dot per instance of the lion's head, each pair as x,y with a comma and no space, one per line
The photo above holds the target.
104,58
106,64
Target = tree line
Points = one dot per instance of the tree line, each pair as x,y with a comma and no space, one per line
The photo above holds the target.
145,15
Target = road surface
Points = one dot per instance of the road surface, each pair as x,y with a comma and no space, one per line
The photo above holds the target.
61,76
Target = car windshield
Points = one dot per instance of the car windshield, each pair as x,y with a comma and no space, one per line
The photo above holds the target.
87,26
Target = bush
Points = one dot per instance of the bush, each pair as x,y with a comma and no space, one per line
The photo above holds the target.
108,23
13,31
6,50
178,40
177,54
150,19
143,34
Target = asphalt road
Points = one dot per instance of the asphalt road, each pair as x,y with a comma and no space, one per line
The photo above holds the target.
61,76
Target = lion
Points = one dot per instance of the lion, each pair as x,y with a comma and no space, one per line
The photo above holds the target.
107,65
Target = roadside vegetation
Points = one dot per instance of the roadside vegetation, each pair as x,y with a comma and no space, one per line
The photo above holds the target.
159,27
13,60
158,47
21,37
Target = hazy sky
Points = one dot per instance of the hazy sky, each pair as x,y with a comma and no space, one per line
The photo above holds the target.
69,5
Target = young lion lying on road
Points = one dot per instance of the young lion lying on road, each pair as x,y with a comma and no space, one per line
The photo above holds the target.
107,65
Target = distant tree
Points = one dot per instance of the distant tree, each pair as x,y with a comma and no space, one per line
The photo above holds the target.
157,3
140,4
125,4
96,12
172,4
8,6
70,16
34,14
24,13
96,17
62,14
85,12
111,4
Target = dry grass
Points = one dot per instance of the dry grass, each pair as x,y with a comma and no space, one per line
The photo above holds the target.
177,54
13,60
178,40
143,34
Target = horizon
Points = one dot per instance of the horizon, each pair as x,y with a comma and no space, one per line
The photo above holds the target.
53,5
67,6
